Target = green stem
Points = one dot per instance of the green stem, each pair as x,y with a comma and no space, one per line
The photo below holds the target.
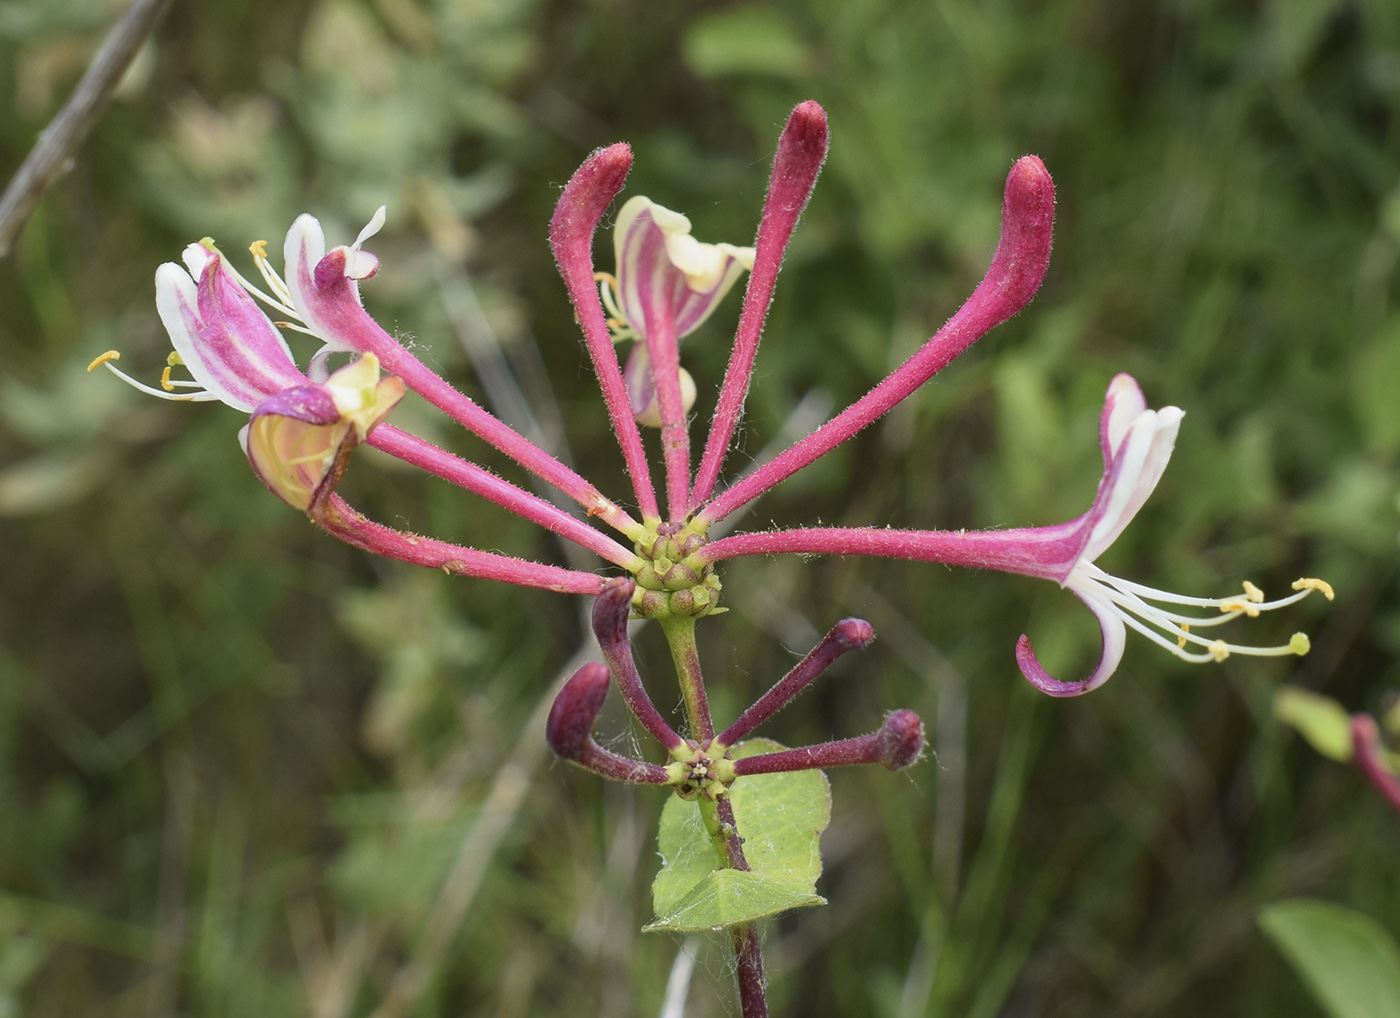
718,814
680,635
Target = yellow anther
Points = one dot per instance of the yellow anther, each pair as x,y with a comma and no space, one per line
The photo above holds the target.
1307,583
174,360
1218,650
258,249
101,359
1181,640
1299,644
605,277
1240,606
165,380
207,242
1252,592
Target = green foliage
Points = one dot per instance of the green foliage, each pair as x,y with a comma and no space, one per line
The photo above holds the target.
1348,961
781,817
1319,719
245,769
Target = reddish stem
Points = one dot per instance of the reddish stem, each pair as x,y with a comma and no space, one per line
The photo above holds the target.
897,744
569,730
610,613
1011,281
846,635
748,955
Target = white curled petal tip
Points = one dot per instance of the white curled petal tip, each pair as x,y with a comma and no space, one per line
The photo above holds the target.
1114,635
1120,502
360,264
196,257
375,224
305,245
1121,406
743,255
702,265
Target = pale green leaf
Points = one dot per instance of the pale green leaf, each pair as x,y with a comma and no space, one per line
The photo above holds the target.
1319,719
1346,959
745,40
779,816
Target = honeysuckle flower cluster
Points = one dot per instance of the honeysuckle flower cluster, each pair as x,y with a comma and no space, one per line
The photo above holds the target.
304,425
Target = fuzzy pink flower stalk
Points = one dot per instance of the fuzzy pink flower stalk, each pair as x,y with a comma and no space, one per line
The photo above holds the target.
569,730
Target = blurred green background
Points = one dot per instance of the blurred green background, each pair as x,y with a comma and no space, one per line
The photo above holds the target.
245,770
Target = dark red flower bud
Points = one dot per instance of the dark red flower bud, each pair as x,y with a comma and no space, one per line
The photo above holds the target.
570,723
901,740
846,635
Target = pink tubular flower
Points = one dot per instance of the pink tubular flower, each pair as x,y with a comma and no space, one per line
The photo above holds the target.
300,439
667,284
1137,444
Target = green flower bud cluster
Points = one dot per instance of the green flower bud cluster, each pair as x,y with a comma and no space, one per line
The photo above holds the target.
671,583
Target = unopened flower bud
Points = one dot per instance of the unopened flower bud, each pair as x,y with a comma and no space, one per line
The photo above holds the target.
901,740
570,730
570,725
610,612
853,634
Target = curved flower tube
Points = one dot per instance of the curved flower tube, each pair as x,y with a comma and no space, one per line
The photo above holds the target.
1137,445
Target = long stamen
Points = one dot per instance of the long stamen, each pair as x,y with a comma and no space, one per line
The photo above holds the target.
1130,601
617,321
106,359
1253,599
283,300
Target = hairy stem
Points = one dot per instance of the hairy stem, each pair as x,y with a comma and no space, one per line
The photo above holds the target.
680,635
718,815
749,955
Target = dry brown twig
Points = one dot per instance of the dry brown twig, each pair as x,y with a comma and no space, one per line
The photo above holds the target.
52,152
